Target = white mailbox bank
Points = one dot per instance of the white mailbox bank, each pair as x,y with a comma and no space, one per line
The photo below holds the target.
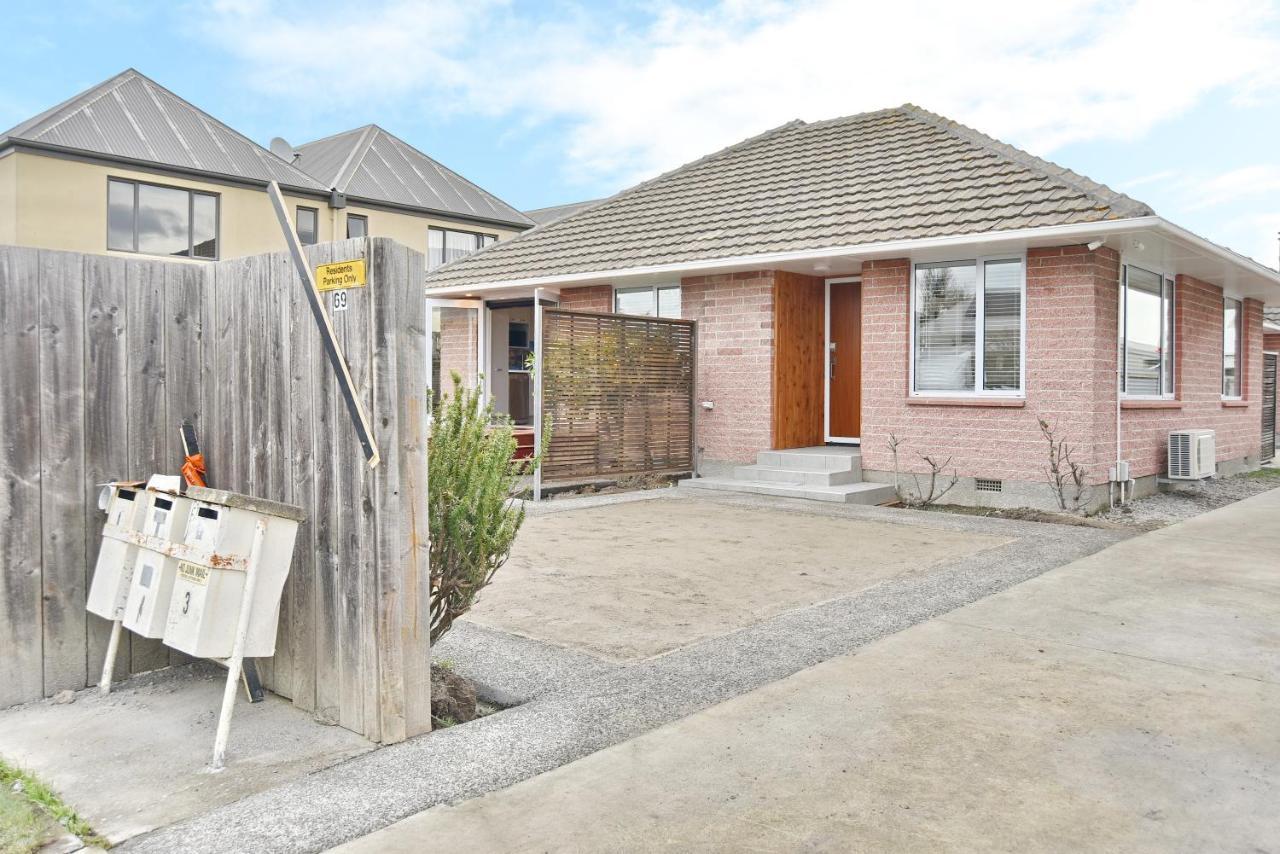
208,571
211,587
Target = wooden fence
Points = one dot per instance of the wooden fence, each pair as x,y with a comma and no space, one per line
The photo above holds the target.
101,358
617,393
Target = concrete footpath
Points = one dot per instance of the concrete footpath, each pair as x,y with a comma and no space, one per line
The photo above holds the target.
1128,701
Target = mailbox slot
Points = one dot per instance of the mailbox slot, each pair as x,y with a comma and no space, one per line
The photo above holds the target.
154,572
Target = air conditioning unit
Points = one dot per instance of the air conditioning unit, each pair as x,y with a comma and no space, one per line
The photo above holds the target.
1192,455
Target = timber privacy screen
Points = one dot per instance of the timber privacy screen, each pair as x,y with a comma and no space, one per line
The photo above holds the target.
617,394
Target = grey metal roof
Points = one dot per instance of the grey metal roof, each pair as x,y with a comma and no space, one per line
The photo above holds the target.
897,174
370,163
542,216
131,117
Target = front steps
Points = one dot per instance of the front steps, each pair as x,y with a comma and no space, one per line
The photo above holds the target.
826,473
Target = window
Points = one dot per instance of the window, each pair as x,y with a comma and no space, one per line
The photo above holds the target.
357,226
446,244
308,221
1232,347
1147,324
652,301
157,220
967,327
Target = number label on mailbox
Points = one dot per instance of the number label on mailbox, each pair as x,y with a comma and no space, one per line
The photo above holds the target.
193,572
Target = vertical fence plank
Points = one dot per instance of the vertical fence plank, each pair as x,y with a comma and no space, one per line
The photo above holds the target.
106,423
405,521
21,664
184,374
62,469
329,505
148,438
279,479
360,357
386,267
301,587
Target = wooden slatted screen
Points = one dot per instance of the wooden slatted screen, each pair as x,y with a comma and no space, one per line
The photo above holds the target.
617,394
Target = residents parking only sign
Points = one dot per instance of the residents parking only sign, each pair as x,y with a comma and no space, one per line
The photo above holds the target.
340,275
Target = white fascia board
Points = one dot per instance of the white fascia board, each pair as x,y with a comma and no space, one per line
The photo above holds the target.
1079,231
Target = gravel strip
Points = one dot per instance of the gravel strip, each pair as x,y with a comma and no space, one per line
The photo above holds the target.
595,705
1166,508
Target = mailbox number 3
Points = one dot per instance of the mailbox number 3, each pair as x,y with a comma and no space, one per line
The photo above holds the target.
186,602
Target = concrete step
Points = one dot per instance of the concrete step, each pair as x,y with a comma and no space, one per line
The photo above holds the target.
799,477
813,459
849,493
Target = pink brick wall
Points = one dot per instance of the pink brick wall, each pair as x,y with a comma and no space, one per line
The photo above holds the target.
597,298
1070,372
1271,342
1198,382
1072,297
457,347
735,361
735,356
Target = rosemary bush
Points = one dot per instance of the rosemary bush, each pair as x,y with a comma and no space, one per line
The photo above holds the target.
472,509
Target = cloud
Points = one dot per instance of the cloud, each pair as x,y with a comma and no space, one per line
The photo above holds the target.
636,95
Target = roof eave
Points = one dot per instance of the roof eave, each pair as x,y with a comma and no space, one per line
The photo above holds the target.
1075,231
18,144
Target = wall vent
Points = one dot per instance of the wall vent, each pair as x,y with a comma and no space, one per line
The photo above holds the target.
983,484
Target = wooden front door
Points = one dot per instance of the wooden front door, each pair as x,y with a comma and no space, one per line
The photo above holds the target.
844,361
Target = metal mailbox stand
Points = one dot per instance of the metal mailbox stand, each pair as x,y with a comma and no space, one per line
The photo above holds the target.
236,662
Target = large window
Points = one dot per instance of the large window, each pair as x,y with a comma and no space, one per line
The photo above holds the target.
157,220
308,220
651,301
446,244
967,327
1232,347
1147,325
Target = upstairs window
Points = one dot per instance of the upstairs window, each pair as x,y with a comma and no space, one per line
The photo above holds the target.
155,220
447,244
357,226
967,320
1232,347
651,301
1147,329
308,220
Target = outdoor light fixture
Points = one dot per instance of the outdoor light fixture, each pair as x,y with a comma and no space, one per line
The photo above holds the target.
821,267
1095,245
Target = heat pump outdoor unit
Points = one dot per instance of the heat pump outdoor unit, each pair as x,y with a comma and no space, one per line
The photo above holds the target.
1192,455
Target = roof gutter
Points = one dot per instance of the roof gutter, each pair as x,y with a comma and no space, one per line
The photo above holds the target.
884,249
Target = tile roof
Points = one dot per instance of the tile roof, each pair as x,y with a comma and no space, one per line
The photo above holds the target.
134,118
895,174
1272,316
542,216
370,163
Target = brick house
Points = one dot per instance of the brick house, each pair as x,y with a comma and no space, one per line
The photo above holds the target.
897,274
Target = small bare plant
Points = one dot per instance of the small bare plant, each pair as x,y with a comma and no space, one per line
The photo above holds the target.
921,497
1067,478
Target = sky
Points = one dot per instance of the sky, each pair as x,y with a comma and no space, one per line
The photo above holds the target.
1175,103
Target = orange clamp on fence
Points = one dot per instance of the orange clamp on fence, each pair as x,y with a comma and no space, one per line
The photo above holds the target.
193,470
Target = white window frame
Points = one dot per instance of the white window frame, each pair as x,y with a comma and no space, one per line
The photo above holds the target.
1121,328
1240,348
979,330
654,289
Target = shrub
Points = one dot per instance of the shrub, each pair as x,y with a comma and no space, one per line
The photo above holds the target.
473,511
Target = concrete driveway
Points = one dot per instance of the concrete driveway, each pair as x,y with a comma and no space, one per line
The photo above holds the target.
1128,701
630,580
